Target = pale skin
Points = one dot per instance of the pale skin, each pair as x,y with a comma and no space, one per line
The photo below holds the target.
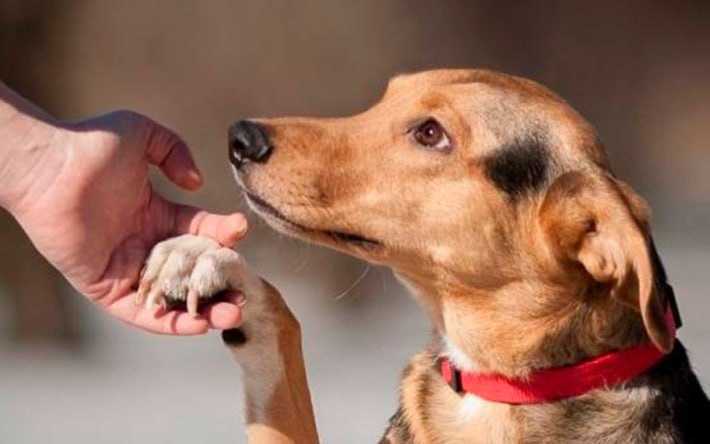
81,191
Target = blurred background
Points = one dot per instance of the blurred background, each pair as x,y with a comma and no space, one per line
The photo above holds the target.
638,70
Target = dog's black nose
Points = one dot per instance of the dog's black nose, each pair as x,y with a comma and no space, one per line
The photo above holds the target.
248,142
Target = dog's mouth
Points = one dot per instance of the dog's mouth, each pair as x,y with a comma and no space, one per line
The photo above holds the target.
272,213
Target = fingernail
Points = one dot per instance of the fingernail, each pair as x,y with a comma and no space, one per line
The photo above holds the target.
241,223
233,229
194,177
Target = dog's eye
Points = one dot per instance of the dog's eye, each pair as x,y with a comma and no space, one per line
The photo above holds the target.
431,135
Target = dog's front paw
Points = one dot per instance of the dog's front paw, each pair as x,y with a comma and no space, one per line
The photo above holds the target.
189,270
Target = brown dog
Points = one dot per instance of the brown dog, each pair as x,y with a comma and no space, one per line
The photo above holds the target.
492,199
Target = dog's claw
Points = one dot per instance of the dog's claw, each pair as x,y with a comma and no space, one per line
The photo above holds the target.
156,298
141,294
193,297
188,269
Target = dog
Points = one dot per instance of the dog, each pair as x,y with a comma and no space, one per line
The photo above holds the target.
493,200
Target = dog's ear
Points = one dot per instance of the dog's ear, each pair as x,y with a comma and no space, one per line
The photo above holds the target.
600,223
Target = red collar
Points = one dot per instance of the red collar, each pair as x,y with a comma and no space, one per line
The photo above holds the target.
559,383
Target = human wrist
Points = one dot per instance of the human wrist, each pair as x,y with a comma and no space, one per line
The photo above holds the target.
26,136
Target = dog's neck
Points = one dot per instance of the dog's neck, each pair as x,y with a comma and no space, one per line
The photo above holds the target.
505,334
613,414
646,409
458,357
517,333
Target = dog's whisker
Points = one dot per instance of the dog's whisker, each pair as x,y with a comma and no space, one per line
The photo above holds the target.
302,265
354,284
383,278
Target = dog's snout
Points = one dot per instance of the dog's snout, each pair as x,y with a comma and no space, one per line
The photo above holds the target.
248,142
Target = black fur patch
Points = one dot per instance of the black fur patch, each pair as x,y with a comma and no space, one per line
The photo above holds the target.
520,167
398,429
662,285
234,336
682,409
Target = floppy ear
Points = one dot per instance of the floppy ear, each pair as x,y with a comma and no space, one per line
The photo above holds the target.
593,220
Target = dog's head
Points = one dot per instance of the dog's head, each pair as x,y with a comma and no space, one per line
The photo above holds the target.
486,192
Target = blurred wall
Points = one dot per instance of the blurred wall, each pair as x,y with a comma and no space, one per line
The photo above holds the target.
35,307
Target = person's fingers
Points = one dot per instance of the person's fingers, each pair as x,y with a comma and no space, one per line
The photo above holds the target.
221,315
226,314
171,154
228,230
161,146
167,323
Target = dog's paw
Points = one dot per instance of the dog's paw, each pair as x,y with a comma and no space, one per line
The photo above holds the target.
189,270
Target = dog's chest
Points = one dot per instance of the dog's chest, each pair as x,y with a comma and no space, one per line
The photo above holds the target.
470,419
436,413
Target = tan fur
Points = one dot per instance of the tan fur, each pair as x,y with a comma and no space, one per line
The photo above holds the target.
286,416
544,279
278,403
433,409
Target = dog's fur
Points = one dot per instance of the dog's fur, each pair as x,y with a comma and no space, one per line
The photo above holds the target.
523,248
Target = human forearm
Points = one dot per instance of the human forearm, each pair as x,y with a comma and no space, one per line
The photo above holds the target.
26,132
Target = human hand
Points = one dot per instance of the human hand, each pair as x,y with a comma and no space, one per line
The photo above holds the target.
88,206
